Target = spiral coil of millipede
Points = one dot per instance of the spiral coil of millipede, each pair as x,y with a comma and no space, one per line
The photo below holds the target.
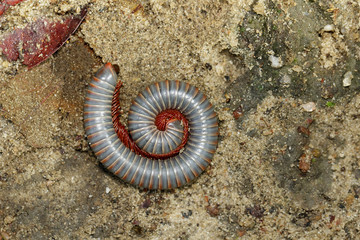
170,120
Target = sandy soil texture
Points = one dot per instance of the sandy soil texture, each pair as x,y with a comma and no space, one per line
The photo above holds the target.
283,77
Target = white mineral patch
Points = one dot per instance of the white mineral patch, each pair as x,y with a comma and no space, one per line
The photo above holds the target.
329,28
276,62
347,79
309,107
107,190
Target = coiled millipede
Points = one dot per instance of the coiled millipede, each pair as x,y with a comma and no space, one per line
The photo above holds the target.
171,120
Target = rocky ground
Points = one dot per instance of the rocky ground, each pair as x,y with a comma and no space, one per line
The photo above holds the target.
283,77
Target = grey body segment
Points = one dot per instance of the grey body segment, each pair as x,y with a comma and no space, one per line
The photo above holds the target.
135,169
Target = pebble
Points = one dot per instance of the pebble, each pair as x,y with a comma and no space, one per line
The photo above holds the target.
238,112
285,80
329,28
297,68
309,107
8,220
213,211
316,152
276,62
5,64
107,190
267,132
4,235
347,79
332,135
304,163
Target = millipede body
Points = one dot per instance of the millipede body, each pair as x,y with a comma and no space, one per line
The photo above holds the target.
156,100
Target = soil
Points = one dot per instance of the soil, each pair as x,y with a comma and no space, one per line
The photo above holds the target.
283,77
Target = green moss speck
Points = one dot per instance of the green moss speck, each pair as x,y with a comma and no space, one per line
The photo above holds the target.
330,104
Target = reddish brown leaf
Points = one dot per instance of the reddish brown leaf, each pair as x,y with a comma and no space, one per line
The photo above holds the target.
6,3
13,2
303,130
304,163
3,8
39,40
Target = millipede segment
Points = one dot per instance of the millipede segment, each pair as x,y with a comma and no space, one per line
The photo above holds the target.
164,118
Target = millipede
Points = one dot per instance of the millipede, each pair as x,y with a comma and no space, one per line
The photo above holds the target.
173,131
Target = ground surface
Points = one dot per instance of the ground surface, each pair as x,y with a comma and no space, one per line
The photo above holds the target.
287,165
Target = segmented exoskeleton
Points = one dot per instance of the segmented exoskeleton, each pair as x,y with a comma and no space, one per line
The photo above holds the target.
142,171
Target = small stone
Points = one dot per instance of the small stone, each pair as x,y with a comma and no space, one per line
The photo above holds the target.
8,220
303,130
4,235
241,233
138,230
213,211
5,64
329,28
186,214
285,80
255,211
332,218
268,132
349,199
316,152
107,190
347,79
146,203
276,62
49,183
238,112
304,163
332,135
208,66
260,7
65,7
227,97
219,68
309,107
296,68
